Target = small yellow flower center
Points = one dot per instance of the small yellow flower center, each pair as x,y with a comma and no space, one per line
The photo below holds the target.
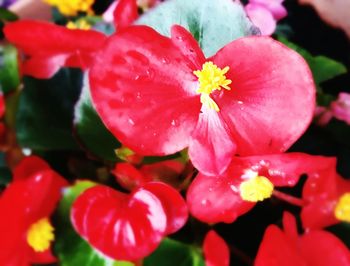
342,209
72,7
256,189
81,24
211,78
40,235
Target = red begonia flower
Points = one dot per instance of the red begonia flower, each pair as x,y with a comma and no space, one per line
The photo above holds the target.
255,96
125,13
247,180
49,47
128,227
26,205
172,172
287,248
215,249
327,199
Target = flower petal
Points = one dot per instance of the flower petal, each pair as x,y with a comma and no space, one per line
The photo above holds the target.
125,13
216,251
174,205
120,226
216,199
272,96
283,169
188,46
31,196
144,91
321,248
55,43
28,167
276,249
211,148
262,18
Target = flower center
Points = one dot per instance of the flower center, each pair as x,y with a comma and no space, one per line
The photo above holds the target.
256,189
342,209
81,24
211,78
72,8
40,235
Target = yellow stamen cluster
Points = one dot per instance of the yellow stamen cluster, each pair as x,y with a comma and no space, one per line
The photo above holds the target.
81,24
72,7
211,78
342,209
256,189
40,235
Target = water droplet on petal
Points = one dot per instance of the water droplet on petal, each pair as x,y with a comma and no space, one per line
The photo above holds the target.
131,122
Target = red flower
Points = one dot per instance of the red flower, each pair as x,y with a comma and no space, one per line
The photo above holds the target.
26,205
287,248
50,47
159,95
128,227
216,251
247,180
171,172
327,197
125,13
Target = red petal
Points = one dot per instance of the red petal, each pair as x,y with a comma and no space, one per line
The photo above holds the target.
120,226
144,91
216,251
31,196
2,105
129,177
283,169
272,96
319,214
28,167
276,249
42,67
216,199
321,248
125,13
45,257
55,43
174,205
211,148
188,45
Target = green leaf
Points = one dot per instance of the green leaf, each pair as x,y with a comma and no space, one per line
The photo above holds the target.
91,131
174,253
323,68
213,23
70,248
9,76
45,111
7,15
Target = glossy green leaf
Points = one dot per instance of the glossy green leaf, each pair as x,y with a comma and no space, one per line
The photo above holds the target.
213,23
91,131
70,248
45,111
9,76
322,67
174,253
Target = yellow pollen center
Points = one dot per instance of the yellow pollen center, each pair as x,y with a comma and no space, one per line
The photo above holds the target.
72,7
40,235
81,24
211,78
342,209
256,189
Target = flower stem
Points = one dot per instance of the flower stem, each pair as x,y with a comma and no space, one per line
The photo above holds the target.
288,198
